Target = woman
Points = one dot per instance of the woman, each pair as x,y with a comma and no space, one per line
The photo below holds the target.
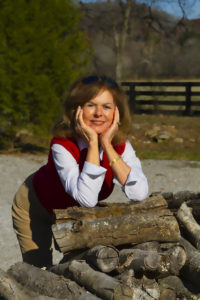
88,154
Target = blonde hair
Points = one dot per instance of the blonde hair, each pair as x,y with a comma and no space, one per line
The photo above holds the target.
86,89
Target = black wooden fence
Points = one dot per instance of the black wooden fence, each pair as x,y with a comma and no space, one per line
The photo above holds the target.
179,98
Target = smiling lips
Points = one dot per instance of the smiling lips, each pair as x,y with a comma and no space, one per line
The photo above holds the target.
98,123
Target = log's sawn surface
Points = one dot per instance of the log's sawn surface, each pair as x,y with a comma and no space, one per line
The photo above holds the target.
148,220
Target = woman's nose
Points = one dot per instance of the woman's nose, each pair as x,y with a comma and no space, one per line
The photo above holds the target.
98,111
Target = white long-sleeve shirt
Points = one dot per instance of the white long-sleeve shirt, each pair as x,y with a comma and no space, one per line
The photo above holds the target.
85,186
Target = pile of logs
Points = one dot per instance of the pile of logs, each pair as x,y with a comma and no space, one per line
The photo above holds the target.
145,250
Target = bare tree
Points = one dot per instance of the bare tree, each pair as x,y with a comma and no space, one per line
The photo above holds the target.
120,35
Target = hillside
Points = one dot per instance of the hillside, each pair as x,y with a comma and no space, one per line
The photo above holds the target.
157,45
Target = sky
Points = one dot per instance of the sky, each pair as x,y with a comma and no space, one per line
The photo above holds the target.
193,12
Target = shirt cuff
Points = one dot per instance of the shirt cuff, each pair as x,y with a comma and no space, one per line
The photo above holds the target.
133,177
93,170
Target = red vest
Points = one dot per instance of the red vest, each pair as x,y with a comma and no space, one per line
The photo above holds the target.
47,183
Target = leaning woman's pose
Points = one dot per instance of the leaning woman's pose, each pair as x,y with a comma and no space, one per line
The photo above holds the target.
89,153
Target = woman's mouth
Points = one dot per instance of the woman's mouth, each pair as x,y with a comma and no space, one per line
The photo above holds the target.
97,123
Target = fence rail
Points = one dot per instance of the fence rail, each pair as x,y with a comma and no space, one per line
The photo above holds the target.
180,98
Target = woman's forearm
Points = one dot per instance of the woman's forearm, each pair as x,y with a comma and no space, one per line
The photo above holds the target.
93,153
120,169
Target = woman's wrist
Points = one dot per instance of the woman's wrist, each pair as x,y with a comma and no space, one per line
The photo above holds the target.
93,142
106,145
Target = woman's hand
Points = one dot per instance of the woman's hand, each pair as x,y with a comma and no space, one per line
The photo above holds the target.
83,130
107,136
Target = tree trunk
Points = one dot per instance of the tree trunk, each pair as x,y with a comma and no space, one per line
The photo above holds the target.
101,284
159,225
47,283
191,228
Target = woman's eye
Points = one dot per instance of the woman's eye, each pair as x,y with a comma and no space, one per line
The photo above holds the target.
89,105
107,107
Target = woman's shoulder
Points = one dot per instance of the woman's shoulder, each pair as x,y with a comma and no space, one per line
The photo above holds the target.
70,144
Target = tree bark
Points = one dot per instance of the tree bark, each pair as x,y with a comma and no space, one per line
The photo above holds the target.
104,286
47,283
191,228
10,289
191,269
152,246
159,225
108,210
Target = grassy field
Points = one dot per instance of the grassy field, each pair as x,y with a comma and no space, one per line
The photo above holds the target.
184,143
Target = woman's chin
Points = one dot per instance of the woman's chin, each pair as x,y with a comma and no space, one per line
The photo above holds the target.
99,130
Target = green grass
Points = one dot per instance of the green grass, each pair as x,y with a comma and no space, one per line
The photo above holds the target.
187,128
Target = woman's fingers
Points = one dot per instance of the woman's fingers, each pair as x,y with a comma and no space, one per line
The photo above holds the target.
77,115
116,116
84,130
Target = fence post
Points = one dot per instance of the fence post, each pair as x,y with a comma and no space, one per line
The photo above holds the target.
188,99
132,97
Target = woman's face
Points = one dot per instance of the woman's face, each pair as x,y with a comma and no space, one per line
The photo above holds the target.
98,112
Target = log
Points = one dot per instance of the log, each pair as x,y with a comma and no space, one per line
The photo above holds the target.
10,289
103,285
126,277
178,286
177,256
175,200
191,269
145,288
104,258
168,262
191,227
143,261
47,283
159,225
167,294
108,210
152,246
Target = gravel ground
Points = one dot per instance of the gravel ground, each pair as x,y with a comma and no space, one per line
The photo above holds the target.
163,176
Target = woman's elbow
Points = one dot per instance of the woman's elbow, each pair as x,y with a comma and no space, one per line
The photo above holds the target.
89,203
140,192
141,196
